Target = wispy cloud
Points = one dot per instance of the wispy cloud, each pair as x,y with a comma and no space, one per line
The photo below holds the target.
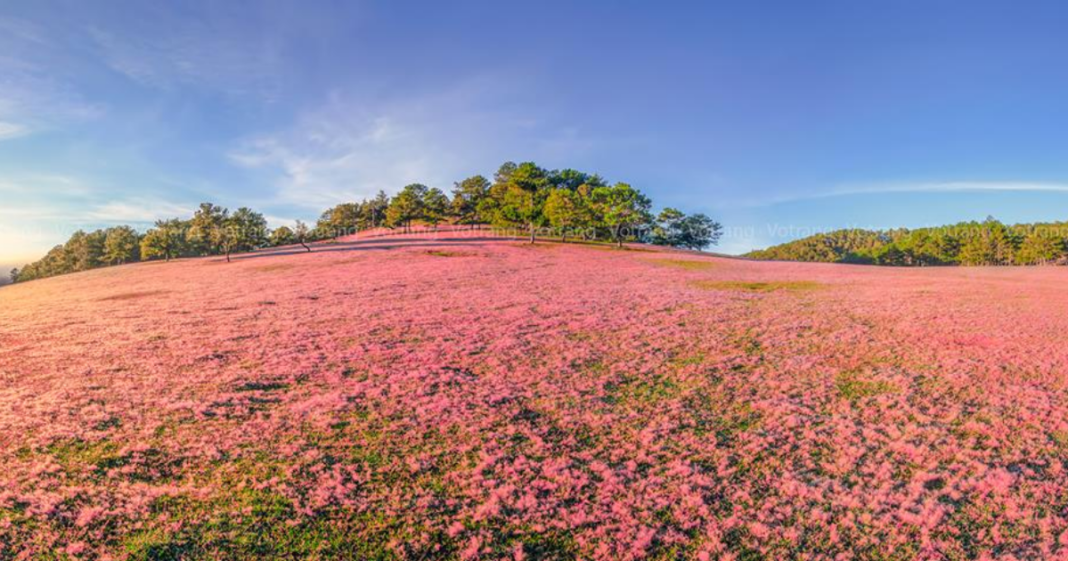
216,51
328,159
63,198
906,187
136,210
11,130
352,147
32,97
22,30
42,186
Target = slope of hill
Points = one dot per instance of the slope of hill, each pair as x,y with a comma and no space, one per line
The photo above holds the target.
435,398
967,243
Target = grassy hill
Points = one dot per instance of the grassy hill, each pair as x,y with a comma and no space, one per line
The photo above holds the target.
428,397
967,243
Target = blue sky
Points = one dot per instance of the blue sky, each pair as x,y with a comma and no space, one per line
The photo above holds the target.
777,118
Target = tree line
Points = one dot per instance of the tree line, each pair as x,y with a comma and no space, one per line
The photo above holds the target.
967,243
567,204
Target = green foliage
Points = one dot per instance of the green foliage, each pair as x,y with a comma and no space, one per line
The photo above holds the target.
522,195
349,218
698,231
53,263
252,229
341,220
1040,247
206,220
121,245
566,211
988,244
676,229
166,240
406,207
622,209
968,243
85,251
574,180
244,230
521,191
373,211
468,197
667,227
436,207
302,235
841,246
283,235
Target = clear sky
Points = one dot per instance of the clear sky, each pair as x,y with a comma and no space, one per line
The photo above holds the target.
777,118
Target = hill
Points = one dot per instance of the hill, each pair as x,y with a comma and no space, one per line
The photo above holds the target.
967,243
469,397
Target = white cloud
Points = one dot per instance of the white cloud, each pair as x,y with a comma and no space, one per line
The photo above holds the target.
32,96
276,221
350,148
22,30
42,186
136,210
947,187
12,130
206,53
41,210
917,187
328,159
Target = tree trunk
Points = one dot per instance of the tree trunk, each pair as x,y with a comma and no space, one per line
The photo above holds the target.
531,233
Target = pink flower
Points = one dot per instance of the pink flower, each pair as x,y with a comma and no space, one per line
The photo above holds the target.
618,399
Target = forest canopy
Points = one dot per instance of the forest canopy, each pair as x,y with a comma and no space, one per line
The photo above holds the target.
522,200
967,243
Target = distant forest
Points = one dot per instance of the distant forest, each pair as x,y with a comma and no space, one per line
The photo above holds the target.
523,199
968,243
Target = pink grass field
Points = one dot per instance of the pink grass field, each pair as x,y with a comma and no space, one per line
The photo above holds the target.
439,398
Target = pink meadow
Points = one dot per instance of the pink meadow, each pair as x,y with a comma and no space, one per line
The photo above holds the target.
436,398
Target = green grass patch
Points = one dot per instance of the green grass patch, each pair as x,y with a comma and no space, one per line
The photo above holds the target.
133,295
770,286
611,246
641,392
710,411
682,361
446,253
74,453
854,388
257,524
685,264
261,387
